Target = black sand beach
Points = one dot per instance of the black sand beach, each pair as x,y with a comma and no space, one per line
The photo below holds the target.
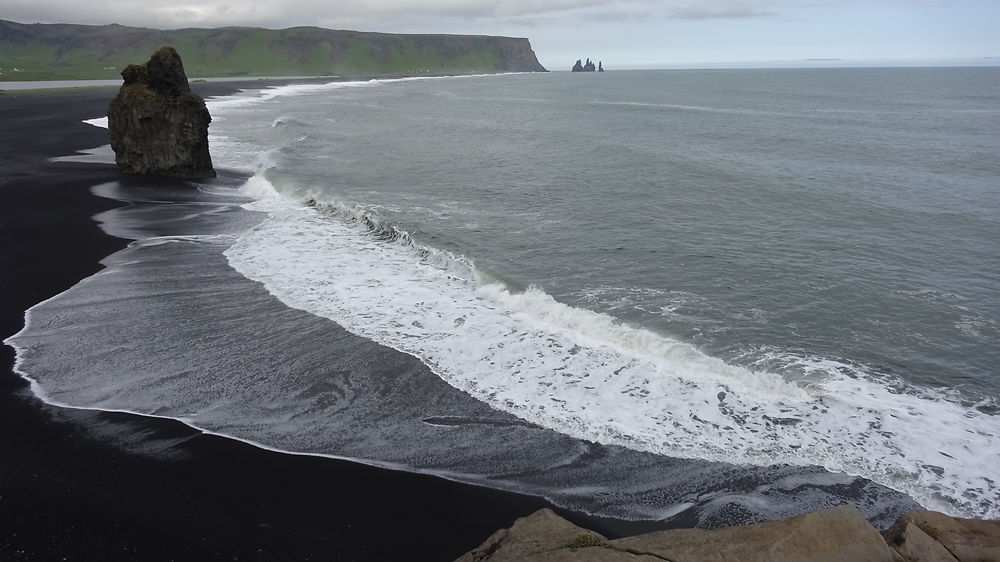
85,485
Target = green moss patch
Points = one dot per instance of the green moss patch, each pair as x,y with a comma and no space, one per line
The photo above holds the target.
583,541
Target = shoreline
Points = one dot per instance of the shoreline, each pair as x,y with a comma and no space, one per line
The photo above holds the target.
217,86
86,484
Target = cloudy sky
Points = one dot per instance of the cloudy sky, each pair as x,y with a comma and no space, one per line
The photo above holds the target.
623,33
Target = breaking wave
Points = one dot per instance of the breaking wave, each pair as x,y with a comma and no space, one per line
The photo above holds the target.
590,376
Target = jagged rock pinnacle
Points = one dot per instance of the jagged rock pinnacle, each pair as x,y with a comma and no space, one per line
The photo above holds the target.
157,125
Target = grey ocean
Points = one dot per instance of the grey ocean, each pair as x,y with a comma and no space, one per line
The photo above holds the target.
715,296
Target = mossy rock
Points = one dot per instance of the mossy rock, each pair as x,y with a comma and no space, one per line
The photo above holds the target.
583,541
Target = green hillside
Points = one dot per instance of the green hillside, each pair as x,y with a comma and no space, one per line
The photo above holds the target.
65,51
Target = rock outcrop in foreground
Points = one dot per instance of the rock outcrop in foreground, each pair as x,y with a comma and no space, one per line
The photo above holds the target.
835,535
157,125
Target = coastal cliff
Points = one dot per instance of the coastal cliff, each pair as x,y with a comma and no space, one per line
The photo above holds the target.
63,51
518,56
156,124
840,534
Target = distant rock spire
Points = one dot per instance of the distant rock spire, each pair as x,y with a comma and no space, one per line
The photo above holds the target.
588,67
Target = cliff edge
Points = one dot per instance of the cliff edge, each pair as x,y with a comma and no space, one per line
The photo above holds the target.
518,56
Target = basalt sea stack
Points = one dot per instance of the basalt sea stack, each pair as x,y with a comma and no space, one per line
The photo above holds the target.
157,125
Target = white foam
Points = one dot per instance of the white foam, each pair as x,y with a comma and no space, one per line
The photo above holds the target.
101,122
101,154
219,105
686,107
247,97
589,376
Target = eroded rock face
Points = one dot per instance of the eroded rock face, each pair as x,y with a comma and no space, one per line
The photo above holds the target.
517,56
157,125
929,536
840,534
540,534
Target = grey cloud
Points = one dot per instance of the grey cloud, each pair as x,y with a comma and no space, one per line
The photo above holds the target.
710,11
389,15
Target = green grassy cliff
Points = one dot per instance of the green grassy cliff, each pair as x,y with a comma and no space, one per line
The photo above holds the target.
65,51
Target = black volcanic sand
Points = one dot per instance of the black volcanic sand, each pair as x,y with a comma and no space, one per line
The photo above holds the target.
88,485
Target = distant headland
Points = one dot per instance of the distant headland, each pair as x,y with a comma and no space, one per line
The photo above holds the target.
83,52
580,66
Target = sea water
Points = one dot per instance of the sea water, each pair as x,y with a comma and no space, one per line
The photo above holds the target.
715,296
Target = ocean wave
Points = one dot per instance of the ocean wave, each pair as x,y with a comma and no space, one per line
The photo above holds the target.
686,107
593,377
222,355
220,105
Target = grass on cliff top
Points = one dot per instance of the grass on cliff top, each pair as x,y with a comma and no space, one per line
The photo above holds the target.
242,52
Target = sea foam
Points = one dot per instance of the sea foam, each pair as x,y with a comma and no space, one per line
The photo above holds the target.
590,376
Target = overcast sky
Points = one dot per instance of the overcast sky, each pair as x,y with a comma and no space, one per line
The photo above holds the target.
622,33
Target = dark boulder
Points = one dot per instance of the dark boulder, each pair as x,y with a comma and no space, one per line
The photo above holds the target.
157,125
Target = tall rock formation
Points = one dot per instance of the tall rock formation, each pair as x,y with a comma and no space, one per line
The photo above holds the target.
157,125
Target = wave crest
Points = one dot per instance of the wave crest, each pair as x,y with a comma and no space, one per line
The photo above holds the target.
590,376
